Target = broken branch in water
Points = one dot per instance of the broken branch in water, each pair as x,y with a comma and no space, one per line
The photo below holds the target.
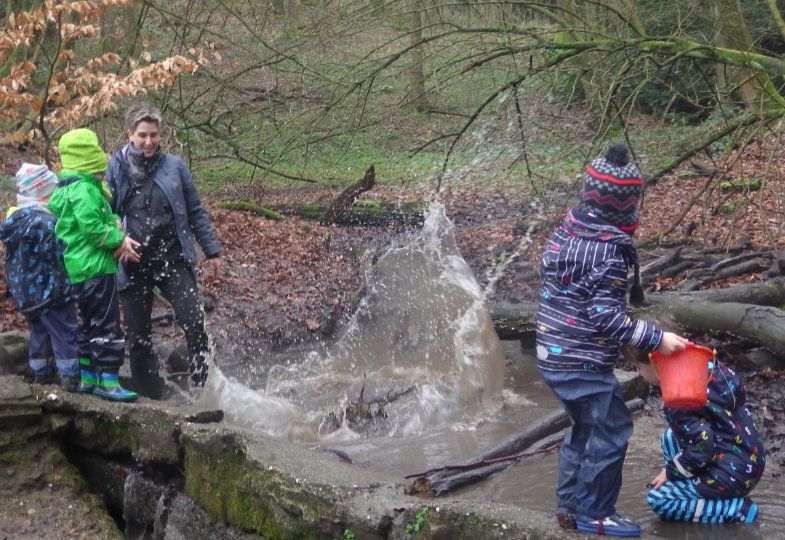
543,435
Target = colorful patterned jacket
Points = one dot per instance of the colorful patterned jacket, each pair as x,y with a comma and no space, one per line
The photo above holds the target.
721,450
582,319
34,267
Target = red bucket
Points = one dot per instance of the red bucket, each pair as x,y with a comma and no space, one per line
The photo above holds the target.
684,376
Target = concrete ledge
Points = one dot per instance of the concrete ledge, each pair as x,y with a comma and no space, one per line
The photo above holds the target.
274,488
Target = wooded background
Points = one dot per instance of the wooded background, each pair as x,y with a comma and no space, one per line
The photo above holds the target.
439,95
296,90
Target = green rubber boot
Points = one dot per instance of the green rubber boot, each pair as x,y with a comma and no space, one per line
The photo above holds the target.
109,388
88,378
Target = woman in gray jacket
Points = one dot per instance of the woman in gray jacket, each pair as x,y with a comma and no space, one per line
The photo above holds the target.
155,195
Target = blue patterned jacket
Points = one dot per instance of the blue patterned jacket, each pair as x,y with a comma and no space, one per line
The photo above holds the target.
721,452
582,318
34,267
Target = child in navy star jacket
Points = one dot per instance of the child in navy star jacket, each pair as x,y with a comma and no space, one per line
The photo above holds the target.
714,455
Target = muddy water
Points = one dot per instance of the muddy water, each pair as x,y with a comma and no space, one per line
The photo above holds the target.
423,325
531,484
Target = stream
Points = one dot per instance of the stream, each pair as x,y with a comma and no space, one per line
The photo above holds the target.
419,380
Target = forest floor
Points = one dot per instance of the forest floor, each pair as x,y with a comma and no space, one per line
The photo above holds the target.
285,282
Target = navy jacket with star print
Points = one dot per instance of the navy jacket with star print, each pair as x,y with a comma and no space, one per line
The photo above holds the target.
721,450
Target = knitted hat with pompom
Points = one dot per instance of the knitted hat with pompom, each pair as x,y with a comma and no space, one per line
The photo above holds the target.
612,188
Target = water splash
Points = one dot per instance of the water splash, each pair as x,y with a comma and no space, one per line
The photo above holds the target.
422,333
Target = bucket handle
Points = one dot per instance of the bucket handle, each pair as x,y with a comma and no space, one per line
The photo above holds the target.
712,364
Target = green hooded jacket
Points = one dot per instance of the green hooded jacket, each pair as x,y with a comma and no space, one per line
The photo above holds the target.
86,223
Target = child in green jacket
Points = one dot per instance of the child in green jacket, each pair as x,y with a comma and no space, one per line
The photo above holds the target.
94,239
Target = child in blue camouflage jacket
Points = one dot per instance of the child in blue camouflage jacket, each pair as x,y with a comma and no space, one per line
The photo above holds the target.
38,281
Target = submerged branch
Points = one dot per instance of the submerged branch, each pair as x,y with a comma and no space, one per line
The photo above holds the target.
542,436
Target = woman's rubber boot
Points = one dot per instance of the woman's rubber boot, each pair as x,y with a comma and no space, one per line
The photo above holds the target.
109,388
87,377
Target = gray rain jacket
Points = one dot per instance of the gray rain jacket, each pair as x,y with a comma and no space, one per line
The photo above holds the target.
172,176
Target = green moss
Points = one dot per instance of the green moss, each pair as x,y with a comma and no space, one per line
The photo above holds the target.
513,321
685,175
309,211
419,521
12,449
740,186
774,289
251,498
251,206
731,207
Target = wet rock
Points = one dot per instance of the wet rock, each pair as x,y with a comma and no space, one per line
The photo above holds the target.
13,352
154,467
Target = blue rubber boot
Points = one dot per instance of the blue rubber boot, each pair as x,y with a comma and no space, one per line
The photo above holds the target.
108,387
613,525
87,377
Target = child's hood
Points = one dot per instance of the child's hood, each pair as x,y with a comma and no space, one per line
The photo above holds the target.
726,388
582,225
14,229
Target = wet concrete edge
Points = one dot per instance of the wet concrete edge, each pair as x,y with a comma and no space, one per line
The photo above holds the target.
275,488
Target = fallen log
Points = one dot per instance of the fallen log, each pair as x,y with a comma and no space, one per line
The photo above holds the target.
753,266
761,325
251,206
364,213
745,311
763,293
704,265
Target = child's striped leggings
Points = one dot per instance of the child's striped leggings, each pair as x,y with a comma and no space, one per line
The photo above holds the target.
680,501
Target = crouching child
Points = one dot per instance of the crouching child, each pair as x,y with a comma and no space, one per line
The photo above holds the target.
714,455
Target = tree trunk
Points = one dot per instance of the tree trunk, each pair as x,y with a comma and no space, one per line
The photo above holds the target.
734,310
416,74
731,32
762,325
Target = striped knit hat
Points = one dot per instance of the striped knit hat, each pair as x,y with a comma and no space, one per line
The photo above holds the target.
34,182
612,188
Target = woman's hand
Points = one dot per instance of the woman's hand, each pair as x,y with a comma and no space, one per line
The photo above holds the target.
212,271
